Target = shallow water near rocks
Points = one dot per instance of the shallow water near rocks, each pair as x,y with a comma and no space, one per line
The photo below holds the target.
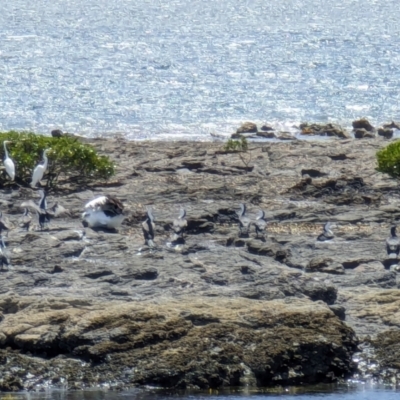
357,391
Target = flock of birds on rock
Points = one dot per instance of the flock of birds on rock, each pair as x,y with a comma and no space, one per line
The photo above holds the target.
107,212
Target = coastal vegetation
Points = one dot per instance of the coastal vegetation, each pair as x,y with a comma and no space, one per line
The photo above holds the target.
236,145
67,156
389,160
240,146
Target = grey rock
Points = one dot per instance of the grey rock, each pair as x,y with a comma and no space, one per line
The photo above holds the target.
92,305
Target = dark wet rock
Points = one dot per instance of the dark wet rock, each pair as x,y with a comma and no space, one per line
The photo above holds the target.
317,291
388,349
266,134
312,173
339,311
384,279
340,191
266,128
324,130
387,133
363,123
57,133
326,265
362,133
247,127
241,337
285,136
391,263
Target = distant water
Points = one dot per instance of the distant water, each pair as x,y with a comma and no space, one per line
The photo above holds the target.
358,392
182,69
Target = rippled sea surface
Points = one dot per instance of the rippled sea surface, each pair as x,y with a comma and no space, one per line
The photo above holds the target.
159,69
357,392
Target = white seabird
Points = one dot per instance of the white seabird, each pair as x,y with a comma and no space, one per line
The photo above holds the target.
103,212
8,163
40,169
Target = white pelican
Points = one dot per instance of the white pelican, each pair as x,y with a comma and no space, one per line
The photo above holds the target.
393,244
103,212
148,227
8,163
179,225
327,234
244,222
44,213
40,169
260,223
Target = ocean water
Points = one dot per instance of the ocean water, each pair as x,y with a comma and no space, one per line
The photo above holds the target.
354,392
153,69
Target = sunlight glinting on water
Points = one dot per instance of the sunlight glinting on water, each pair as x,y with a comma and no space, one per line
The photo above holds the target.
179,69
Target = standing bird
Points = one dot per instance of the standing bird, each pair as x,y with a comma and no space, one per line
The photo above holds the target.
393,244
103,212
260,223
8,163
25,220
179,225
5,224
148,227
327,234
244,222
44,213
40,169
4,257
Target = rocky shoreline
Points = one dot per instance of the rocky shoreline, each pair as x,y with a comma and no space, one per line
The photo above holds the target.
98,309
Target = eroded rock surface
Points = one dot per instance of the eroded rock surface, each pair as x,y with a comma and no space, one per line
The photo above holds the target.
82,308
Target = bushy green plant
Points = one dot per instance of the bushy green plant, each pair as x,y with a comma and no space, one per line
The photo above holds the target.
67,155
236,145
389,159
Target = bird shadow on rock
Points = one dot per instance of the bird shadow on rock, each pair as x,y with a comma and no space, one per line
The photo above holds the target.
103,229
391,263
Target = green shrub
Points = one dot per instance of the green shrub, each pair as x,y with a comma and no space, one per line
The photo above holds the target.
67,156
233,145
389,159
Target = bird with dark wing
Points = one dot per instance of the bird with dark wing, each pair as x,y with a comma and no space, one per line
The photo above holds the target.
244,221
393,243
179,226
103,212
148,227
327,233
4,256
44,213
26,219
260,223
